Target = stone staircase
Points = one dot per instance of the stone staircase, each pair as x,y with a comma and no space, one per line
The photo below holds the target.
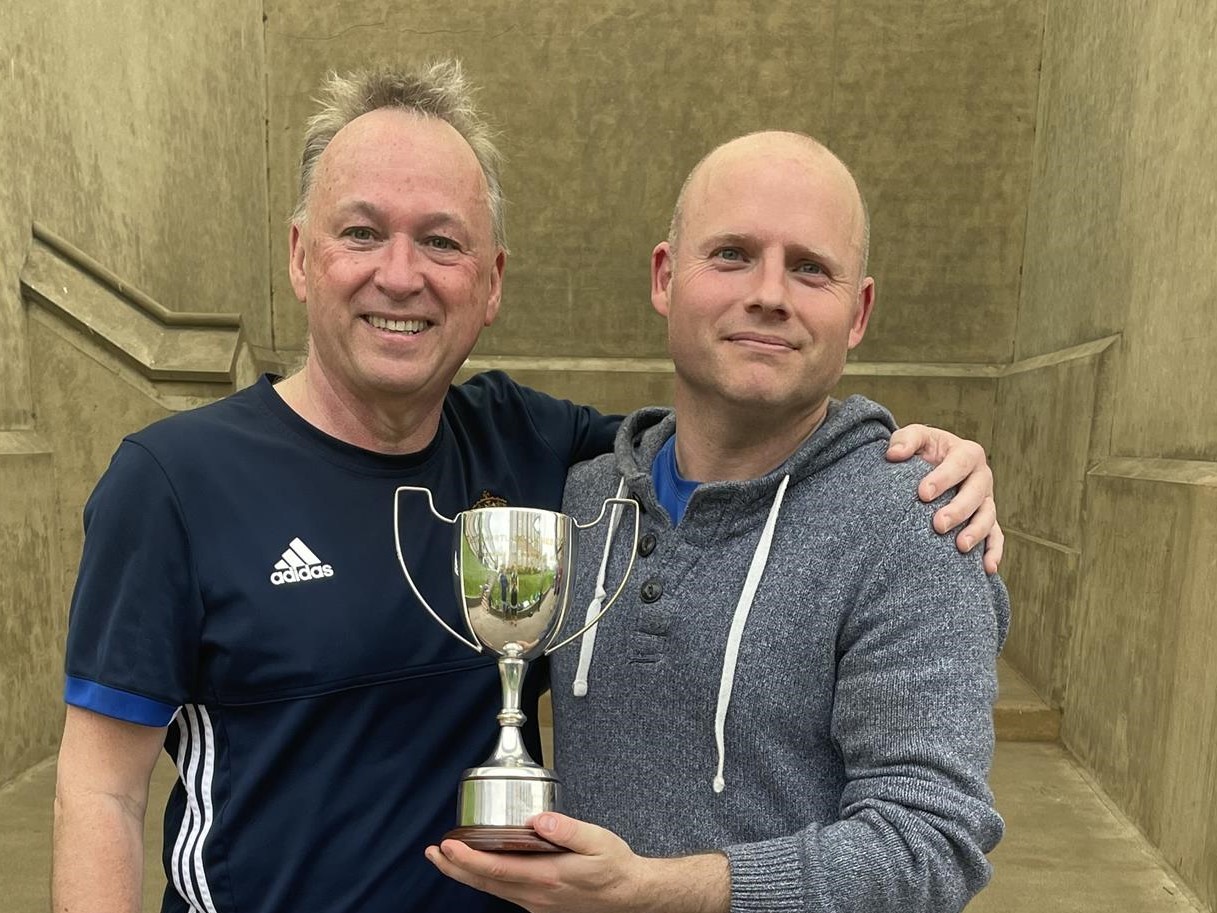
1066,850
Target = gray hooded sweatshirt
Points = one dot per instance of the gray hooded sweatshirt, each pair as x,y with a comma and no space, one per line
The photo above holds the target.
800,675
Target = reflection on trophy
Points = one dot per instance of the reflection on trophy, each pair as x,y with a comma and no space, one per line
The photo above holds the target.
513,571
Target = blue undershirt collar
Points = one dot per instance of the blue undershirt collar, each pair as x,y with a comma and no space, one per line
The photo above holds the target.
671,490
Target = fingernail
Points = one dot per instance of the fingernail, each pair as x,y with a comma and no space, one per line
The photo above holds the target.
932,491
967,543
546,824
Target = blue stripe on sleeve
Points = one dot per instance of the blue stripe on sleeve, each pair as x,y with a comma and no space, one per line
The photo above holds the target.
122,705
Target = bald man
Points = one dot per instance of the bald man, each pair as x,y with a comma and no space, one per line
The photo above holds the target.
791,709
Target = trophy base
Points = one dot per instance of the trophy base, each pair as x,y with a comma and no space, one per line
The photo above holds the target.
503,839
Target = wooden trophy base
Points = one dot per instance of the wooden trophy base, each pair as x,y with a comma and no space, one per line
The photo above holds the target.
503,839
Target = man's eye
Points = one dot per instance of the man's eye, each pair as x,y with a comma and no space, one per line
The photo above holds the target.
810,268
439,242
731,254
360,233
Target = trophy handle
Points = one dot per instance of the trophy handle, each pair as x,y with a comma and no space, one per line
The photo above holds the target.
627,502
476,647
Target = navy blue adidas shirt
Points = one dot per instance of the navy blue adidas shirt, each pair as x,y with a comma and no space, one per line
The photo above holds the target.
239,584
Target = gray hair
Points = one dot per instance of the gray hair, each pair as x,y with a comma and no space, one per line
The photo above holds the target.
678,211
437,89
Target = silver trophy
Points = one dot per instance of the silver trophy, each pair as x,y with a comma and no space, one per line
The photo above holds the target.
513,569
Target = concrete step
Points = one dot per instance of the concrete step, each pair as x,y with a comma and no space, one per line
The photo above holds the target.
1021,714
1066,849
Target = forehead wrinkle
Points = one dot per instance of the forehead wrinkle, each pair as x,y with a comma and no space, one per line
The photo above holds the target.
370,210
385,133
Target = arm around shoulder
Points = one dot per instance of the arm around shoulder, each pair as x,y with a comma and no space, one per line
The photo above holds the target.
101,793
574,433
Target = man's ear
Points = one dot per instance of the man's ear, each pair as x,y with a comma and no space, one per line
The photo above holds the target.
496,288
295,262
661,276
866,304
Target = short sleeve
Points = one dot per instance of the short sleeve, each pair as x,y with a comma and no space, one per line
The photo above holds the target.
574,433
136,615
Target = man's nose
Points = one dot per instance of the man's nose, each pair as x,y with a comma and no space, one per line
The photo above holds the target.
768,293
398,273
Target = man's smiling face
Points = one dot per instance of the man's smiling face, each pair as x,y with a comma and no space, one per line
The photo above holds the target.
764,293
396,260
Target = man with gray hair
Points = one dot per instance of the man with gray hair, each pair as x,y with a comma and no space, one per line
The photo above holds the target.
794,709
239,604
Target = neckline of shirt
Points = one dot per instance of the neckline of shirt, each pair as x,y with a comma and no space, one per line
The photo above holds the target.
349,456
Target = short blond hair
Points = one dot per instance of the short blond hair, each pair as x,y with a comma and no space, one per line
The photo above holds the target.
437,89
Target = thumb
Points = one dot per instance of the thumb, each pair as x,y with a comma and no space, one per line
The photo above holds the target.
906,441
571,833
898,450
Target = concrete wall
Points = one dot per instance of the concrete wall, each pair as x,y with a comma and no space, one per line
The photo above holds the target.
1107,460
606,105
134,130
1043,220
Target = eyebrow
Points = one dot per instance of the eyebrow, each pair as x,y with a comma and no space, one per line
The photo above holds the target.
358,208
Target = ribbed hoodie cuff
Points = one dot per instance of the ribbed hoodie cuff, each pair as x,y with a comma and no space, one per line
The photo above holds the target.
766,877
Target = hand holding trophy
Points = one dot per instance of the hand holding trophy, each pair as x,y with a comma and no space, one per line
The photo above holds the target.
512,569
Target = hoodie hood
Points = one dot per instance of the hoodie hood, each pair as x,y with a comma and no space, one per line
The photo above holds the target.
848,425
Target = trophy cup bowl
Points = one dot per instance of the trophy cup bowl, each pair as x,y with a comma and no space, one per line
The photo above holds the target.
512,569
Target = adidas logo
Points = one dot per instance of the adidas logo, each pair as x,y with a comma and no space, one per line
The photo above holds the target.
299,564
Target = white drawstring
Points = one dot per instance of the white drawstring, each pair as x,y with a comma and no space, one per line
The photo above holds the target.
755,570
588,642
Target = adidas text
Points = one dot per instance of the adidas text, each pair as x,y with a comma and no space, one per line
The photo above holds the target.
295,575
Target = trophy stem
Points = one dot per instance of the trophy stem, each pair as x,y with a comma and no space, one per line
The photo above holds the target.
498,798
510,750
